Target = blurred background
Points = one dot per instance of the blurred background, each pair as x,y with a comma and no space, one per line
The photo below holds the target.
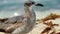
10,8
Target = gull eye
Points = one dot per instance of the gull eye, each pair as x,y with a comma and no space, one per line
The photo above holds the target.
33,2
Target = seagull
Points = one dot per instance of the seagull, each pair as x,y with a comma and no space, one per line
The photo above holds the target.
21,24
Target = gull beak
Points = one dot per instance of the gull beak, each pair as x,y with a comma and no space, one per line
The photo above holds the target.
38,4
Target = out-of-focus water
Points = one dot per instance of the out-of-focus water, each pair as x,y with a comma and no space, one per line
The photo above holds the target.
9,8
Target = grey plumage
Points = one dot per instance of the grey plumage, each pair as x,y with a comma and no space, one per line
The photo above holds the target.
21,24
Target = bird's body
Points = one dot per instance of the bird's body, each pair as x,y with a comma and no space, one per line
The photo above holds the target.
20,24
26,23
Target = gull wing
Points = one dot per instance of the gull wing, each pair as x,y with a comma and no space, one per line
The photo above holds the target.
11,24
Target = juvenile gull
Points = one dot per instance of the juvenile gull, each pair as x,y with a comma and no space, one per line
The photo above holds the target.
21,24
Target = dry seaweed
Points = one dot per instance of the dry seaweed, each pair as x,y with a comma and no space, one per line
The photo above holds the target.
51,17
50,27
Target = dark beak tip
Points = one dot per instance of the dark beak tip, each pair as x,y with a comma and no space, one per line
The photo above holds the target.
40,5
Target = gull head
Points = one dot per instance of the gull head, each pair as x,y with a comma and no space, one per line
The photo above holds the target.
31,3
